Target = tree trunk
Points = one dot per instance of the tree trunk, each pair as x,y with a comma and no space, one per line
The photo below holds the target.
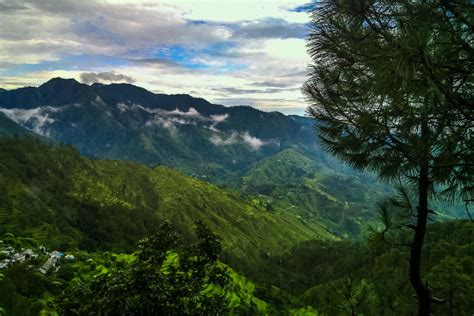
353,312
422,292
451,305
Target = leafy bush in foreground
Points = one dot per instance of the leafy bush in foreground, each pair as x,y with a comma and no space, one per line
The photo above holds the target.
165,278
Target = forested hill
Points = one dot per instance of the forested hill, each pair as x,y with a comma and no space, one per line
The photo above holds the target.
283,236
61,199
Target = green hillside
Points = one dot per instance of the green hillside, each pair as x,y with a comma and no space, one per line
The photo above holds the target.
97,209
370,277
264,154
311,189
316,277
62,199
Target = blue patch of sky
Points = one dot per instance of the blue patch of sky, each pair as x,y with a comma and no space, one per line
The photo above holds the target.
219,49
185,57
68,62
191,58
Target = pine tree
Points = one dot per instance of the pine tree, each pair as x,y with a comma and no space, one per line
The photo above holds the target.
391,91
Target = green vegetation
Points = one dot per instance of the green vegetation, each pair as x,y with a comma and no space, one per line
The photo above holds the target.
307,183
127,122
369,277
284,227
62,200
181,277
313,278
271,263
165,278
311,189
122,121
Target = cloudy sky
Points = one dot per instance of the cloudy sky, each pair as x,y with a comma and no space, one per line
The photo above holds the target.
229,52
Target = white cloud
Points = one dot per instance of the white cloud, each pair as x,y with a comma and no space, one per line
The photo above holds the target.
253,142
48,29
108,76
123,107
170,119
221,141
192,113
35,119
233,11
165,123
218,118
290,49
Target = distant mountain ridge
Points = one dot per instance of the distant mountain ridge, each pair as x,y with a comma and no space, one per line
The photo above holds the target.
181,131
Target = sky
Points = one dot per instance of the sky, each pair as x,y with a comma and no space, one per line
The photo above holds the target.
228,52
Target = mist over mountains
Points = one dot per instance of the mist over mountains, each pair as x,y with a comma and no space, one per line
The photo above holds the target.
153,128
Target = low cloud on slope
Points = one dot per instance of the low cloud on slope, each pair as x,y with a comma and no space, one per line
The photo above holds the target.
245,138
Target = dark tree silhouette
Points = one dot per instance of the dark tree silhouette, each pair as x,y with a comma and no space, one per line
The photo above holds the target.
391,90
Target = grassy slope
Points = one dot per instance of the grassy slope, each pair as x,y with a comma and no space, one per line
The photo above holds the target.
58,197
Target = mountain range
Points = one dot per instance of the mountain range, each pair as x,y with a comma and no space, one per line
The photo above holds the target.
122,121
271,156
